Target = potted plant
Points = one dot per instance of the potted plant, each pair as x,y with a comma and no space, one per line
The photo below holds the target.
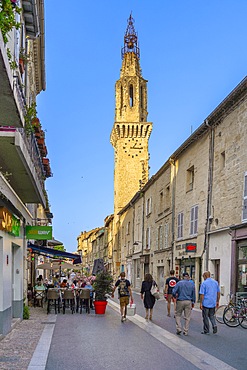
103,285
23,59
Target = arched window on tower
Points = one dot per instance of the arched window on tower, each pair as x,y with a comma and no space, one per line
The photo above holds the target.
131,95
121,97
141,97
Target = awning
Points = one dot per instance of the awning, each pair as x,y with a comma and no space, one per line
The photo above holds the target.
53,252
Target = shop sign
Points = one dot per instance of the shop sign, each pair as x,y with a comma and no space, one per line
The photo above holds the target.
8,222
190,247
39,232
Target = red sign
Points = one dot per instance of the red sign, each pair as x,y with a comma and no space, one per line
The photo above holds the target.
190,247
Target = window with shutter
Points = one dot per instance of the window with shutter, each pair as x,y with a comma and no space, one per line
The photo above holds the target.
194,220
180,224
148,238
160,237
166,233
148,206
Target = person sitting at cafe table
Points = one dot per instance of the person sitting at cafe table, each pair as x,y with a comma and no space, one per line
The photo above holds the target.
39,286
74,284
64,284
56,280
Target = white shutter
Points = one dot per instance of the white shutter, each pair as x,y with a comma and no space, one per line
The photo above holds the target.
166,235
196,220
161,237
157,238
182,225
148,238
192,221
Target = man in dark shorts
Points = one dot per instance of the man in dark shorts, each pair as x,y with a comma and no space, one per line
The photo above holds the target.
124,292
170,284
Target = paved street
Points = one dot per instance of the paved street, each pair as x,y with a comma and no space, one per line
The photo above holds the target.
103,342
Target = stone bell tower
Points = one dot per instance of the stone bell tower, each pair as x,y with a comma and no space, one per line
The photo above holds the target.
131,131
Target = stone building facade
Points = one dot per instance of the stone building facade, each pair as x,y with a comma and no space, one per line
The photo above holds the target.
23,171
195,205
192,214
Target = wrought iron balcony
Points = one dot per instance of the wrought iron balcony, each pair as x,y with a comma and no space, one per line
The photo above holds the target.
21,164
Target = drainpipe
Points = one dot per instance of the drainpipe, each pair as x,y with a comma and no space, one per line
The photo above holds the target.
143,214
173,175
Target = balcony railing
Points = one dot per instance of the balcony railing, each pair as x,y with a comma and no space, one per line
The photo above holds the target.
34,153
20,95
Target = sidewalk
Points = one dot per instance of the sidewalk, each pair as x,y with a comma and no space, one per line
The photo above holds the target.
17,347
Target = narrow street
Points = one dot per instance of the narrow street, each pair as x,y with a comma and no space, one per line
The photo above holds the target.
103,342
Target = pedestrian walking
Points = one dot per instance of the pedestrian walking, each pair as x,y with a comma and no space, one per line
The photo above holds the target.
171,282
185,295
147,297
124,293
209,300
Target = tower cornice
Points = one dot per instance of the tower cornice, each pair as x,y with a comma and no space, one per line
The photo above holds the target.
130,130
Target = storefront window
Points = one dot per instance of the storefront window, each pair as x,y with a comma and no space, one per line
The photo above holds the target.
242,269
188,266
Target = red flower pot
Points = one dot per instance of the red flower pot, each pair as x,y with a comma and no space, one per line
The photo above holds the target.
100,307
21,66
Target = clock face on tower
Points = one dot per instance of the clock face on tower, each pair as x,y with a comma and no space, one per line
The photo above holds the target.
136,146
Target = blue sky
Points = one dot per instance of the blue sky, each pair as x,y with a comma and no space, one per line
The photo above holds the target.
193,53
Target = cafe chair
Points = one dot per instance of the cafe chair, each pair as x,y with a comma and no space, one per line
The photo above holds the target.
69,300
84,299
53,300
39,296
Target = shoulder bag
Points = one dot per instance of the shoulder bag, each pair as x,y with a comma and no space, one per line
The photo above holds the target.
155,291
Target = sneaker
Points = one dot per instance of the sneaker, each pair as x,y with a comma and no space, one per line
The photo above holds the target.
204,332
184,333
122,318
179,332
215,329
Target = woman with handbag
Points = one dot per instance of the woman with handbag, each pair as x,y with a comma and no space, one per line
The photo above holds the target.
147,297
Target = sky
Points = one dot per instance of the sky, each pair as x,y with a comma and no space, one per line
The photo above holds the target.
193,54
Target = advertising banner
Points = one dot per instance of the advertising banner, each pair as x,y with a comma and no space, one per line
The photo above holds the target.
8,222
39,232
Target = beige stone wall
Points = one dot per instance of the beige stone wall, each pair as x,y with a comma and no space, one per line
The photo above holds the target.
159,223
126,235
228,180
197,157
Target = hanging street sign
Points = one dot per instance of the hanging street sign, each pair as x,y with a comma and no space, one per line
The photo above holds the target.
39,232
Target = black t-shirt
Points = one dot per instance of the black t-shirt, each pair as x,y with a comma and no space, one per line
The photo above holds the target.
123,285
171,282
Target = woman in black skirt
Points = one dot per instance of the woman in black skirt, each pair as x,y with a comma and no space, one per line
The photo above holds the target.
149,299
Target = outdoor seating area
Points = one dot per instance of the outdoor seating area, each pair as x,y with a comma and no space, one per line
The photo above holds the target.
60,289
68,300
